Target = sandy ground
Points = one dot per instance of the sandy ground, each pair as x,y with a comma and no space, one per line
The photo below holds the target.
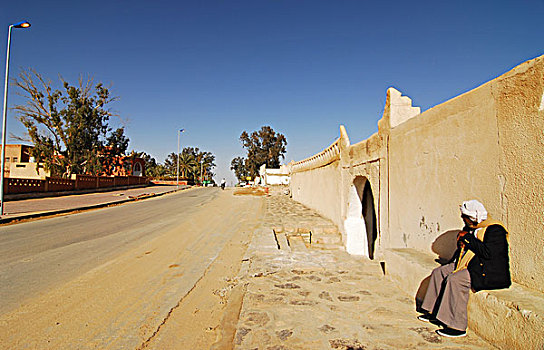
168,293
207,316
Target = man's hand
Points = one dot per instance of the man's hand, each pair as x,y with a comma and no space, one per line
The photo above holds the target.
460,235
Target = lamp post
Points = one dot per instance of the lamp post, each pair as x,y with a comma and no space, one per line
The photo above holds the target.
177,173
23,24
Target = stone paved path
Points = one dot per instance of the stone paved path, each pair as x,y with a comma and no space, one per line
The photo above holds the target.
300,297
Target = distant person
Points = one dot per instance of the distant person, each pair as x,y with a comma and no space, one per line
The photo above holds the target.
480,262
223,183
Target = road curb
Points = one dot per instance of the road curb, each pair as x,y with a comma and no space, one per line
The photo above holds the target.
44,214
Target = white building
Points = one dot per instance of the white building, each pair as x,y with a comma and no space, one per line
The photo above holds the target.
274,176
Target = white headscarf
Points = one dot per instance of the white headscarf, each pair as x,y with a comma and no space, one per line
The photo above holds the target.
474,210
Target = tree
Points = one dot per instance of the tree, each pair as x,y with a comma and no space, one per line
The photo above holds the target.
170,163
238,165
115,148
263,147
187,163
192,162
152,168
68,126
202,165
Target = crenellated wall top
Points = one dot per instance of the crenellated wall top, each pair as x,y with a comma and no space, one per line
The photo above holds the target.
325,157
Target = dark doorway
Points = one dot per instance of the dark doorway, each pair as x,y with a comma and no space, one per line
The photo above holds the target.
369,214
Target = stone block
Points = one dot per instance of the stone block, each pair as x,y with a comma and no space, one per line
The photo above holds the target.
329,239
330,229
317,230
289,228
296,243
278,229
282,241
303,229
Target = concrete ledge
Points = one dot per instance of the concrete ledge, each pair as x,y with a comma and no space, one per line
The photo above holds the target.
263,242
510,318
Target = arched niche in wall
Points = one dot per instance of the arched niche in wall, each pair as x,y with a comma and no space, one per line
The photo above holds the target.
137,169
369,214
360,223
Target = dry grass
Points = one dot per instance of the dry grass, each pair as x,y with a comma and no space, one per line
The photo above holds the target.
251,191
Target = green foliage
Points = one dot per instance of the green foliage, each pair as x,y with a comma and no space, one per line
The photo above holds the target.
238,165
69,127
152,168
116,147
205,162
170,164
194,165
263,147
187,164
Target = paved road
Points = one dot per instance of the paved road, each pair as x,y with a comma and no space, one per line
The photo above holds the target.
39,255
108,279
20,209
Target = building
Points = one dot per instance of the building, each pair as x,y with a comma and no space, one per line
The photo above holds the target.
129,166
278,176
16,154
20,164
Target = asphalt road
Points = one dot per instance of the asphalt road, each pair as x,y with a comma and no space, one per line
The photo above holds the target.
41,255
112,278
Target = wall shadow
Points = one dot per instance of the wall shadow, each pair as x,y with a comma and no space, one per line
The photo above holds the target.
420,294
444,246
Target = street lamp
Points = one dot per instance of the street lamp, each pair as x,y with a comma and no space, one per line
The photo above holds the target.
23,24
177,176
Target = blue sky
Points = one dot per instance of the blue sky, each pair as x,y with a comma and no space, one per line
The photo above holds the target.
217,68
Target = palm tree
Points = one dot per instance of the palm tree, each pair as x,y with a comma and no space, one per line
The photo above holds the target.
187,163
170,163
205,163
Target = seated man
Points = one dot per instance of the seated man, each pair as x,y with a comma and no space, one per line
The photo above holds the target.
480,262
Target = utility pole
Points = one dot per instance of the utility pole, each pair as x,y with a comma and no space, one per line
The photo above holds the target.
23,24
177,172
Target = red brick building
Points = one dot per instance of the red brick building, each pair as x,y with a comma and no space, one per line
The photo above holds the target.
127,166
